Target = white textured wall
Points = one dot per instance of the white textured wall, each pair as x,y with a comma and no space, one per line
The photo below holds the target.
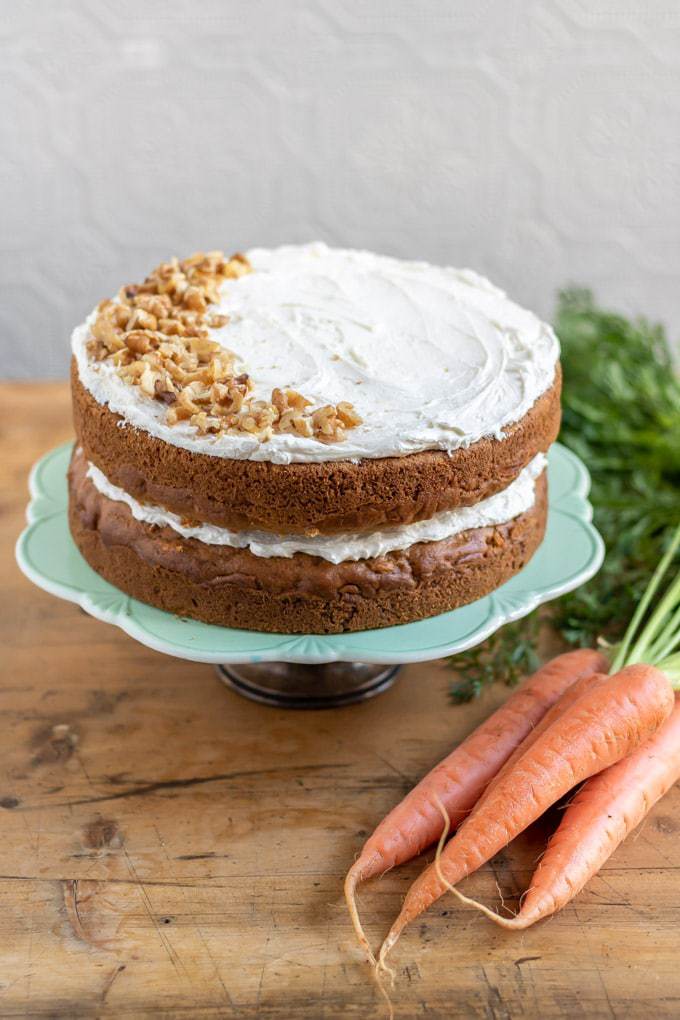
537,141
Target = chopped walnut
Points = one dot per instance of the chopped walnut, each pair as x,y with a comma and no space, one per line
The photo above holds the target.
347,415
157,334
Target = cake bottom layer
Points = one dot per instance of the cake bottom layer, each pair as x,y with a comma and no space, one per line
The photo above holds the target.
301,594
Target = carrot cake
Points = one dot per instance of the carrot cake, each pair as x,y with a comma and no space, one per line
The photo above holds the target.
310,440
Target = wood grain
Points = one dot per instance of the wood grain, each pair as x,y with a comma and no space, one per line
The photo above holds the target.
171,849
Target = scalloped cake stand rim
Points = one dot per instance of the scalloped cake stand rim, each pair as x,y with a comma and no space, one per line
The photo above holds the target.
569,522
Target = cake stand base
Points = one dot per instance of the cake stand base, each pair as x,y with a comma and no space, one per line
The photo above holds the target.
294,685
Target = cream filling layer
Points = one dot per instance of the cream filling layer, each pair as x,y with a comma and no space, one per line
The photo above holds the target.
497,509
431,357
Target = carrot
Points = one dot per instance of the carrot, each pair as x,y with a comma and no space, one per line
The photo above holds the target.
606,723
586,681
604,811
461,777
613,802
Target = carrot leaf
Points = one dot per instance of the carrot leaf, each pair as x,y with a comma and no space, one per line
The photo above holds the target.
509,655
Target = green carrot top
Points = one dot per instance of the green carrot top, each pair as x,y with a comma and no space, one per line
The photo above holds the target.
658,641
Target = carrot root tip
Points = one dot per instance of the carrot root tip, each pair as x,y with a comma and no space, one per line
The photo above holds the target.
351,882
381,966
383,990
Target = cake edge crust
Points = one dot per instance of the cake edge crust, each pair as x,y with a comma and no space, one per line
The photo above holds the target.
325,497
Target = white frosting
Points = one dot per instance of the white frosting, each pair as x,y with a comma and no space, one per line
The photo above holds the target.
431,358
503,506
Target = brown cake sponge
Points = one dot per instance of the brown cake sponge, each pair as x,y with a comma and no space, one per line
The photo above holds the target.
302,594
306,498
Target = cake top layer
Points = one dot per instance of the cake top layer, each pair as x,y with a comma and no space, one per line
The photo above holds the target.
428,357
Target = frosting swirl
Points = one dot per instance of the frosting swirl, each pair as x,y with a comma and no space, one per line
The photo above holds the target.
430,357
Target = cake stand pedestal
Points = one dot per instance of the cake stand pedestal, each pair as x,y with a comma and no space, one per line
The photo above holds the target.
296,685
312,670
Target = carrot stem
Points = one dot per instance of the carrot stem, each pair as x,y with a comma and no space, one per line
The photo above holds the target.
621,657
656,621
671,667
669,639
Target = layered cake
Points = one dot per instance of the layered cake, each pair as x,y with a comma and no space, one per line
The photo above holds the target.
310,440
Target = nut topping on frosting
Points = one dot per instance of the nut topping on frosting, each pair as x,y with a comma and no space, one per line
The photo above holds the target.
157,334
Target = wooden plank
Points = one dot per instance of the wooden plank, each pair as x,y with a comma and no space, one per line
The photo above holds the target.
170,849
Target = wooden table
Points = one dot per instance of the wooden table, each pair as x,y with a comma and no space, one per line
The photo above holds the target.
169,848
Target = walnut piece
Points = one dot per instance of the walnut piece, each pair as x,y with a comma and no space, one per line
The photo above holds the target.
157,334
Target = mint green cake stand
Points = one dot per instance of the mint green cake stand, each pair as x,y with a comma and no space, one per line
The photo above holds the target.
312,670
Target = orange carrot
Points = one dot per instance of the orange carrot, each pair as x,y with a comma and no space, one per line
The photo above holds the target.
461,777
606,723
604,811
586,681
